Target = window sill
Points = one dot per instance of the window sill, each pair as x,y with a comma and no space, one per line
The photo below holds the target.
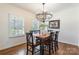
17,36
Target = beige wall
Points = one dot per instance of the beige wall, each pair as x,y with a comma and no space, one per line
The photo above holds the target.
6,42
69,25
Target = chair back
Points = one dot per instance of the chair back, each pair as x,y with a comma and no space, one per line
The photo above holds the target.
50,31
31,43
29,38
56,35
52,35
35,31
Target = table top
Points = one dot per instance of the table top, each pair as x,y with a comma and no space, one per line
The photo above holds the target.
41,35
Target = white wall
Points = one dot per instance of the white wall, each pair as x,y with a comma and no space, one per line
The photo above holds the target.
69,24
6,42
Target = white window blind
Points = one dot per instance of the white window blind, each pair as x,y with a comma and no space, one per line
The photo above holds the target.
16,26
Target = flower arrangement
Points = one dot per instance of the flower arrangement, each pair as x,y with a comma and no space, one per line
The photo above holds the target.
42,26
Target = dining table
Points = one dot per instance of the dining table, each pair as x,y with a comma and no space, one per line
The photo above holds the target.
42,38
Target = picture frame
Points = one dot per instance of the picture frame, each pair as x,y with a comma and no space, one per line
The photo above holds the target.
55,24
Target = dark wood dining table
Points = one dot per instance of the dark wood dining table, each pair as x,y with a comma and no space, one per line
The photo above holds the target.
42,38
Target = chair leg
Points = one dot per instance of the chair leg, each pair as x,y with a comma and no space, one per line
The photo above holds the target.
49,49
40,50
57,46
52,48
32,50
27,51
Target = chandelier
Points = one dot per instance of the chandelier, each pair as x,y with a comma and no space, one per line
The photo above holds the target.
44,15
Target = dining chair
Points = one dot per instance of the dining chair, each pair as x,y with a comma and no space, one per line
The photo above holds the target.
32,44
48,43
54,37
56,41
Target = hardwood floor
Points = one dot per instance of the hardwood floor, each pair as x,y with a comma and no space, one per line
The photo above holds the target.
67,49
64,49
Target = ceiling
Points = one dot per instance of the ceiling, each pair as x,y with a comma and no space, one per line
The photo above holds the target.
37,7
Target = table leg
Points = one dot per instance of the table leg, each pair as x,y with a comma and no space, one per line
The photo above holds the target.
41,48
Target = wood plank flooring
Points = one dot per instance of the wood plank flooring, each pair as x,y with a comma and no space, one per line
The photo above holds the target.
64,49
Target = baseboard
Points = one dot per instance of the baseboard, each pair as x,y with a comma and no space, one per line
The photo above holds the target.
12,47
68,43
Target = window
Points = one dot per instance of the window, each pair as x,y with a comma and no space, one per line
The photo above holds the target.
35,24
16,26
